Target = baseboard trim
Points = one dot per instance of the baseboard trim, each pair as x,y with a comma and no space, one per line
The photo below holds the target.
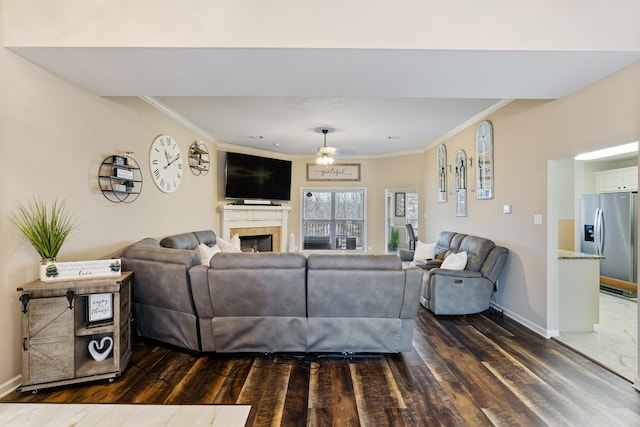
525,322
10,386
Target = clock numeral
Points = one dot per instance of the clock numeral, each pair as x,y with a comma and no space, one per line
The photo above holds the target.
168,185
156,173
179,176
157,150
155,162
179,165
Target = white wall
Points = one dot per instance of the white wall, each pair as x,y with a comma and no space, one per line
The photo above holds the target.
410,24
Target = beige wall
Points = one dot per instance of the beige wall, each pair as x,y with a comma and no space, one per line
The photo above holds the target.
53,136
376,176
527,134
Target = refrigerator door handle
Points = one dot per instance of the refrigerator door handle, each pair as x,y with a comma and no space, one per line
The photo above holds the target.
599,231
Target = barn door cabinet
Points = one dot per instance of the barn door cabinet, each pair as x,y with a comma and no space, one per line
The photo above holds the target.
75,331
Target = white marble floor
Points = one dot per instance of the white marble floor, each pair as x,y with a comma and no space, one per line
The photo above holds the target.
108,415
614,344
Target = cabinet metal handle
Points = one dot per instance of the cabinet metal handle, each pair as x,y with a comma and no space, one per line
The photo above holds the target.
24,299
70,296
24,344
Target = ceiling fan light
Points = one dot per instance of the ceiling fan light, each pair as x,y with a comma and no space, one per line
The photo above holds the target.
324,152
324,160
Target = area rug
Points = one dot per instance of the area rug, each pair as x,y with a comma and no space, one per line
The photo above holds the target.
108,415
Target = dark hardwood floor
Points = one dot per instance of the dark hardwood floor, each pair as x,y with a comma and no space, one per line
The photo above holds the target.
463,371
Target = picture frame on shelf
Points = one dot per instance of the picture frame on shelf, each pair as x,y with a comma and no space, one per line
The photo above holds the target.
99,308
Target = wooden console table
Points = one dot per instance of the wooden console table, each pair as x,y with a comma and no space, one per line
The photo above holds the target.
63,343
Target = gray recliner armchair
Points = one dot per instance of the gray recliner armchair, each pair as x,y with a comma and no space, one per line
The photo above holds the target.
465,291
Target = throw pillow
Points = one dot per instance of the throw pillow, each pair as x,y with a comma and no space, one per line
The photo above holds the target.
207,252
424,251
455,261
232,245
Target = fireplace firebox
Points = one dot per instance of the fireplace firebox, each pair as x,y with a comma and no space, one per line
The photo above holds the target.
257,243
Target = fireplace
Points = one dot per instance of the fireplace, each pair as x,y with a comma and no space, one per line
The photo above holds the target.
257,243
251,221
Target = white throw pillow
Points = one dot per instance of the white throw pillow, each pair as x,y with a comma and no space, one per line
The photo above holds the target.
207,252
424,251
455,261
232,245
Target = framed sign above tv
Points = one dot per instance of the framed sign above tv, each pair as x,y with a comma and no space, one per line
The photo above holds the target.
336,172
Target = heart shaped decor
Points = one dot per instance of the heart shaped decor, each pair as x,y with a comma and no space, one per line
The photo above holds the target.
100,351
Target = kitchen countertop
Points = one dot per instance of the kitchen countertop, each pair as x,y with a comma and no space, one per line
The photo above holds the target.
564,254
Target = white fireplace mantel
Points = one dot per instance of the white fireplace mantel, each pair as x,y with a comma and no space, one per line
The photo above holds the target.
254,216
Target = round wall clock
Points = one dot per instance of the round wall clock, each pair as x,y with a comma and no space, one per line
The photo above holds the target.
165,162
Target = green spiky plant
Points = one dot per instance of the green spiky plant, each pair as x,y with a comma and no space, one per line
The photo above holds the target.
394,239
45,227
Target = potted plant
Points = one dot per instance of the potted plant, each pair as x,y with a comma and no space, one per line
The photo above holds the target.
46,228
394,239
129,186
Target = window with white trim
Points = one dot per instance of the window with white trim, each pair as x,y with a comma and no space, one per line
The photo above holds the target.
333,219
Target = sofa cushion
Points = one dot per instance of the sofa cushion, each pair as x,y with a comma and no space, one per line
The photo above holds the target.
424,251
455,261
208,237
232,245
477,249
180,241
443,242
207,252
494,263
456,241
353,262
255,260
145,251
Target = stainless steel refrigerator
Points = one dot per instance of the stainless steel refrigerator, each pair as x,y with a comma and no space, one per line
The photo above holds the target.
609,223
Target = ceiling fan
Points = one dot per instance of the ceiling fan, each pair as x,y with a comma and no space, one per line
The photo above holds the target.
325,154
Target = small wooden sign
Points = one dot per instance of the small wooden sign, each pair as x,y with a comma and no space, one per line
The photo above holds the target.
53,271
336,172
99,307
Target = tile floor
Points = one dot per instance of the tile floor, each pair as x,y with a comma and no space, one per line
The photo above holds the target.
106,415
614,344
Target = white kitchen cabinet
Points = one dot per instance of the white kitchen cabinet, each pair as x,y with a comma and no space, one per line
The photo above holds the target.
623,179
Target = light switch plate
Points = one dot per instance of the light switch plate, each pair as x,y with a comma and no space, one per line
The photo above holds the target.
537,219
506,209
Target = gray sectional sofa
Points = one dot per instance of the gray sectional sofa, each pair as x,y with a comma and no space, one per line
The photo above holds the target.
466,291
271,302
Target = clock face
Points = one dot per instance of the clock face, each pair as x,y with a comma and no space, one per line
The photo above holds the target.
165,162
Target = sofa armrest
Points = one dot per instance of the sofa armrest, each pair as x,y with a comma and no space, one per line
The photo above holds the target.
165,255
412,288
464,274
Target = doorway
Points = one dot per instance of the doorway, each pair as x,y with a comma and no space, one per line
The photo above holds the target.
613,342
401,208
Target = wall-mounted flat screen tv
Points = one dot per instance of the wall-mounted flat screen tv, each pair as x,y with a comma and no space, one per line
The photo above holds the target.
250,177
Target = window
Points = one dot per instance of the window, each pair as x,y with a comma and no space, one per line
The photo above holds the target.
333,219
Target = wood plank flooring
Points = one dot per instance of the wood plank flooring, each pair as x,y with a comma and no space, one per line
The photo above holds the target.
463,371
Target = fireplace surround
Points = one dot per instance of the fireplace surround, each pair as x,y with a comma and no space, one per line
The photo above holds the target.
256,220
